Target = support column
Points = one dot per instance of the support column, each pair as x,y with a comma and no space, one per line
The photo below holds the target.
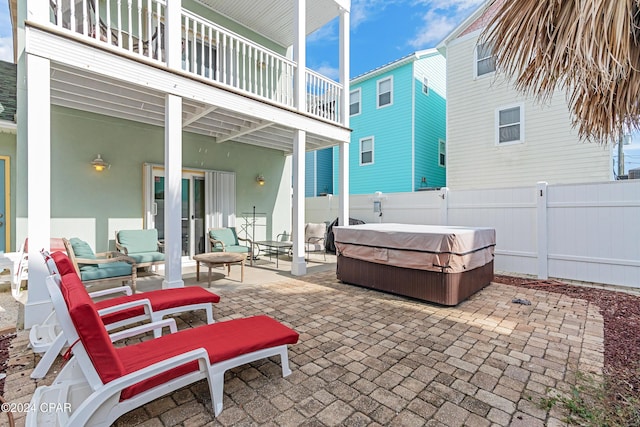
173,192
37,11
300,54
173,34
543,243
343,185
38,142
298,264
343,188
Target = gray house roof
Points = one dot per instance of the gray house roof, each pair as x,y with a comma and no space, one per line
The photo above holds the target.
7,91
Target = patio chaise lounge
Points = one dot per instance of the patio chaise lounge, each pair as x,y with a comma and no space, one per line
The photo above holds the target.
116,312
101,382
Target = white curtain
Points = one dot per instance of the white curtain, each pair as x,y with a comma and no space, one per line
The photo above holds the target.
220,199
150,208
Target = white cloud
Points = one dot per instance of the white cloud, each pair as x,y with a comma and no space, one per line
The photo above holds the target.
327,70
364,10
440,18
324,34
6,49
458,5
435,28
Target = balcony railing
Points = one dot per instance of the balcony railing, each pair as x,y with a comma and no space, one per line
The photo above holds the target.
208,50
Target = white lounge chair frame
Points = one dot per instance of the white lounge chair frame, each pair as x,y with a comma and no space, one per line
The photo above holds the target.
48,337
91,402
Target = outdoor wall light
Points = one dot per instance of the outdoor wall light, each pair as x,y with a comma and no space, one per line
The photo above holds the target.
99,164
260,179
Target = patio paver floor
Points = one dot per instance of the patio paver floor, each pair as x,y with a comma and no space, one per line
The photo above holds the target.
368,358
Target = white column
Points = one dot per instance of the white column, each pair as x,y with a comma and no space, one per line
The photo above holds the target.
343,187
38,140
173,192
173,34
298,264
300,54
541,212
344,66
444,206
343,184
37,11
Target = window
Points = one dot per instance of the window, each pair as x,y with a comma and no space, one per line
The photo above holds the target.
385,92
510,124
354,102
425,86
442,153
366,151
485,62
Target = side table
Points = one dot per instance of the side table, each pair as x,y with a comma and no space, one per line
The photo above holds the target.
212,259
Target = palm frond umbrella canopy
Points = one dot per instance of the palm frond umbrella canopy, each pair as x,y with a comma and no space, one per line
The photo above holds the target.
588,48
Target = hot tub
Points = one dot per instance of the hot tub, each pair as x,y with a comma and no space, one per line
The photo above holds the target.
440,264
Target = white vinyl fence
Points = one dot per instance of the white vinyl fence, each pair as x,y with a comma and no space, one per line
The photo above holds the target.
582,232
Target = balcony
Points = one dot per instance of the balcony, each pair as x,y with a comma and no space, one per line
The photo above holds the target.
210,52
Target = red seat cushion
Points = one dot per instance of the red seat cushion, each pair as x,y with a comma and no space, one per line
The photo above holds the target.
91,330
160,300
63,263
222,341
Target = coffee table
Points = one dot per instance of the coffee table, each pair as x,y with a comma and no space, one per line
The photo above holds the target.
213,259
277,245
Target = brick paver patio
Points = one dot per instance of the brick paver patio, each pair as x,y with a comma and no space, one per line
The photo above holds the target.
367,358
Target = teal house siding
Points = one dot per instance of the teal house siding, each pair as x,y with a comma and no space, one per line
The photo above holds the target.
319,172
309,174
430,121
390,128
406,135
324,168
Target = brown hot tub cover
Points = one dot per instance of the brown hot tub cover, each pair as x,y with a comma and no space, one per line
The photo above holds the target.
424,247
441,264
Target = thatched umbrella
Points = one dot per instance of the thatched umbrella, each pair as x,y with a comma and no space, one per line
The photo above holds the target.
588,48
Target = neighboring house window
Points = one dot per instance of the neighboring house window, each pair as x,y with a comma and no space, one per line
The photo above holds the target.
510,124
442,153
366,151
425,86
385,92
485,61
354,102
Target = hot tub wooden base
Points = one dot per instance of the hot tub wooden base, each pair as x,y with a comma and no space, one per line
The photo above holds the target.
441,288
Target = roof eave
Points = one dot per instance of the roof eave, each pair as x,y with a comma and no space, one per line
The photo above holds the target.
442,46
392,65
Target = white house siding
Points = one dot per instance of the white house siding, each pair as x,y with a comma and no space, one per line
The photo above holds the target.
551,152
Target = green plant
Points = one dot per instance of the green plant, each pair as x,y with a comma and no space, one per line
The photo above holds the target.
608,402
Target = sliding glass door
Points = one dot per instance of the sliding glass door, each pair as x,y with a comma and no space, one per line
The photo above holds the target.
208,200
193,210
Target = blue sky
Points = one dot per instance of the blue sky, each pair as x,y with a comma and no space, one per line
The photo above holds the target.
385,30
6,40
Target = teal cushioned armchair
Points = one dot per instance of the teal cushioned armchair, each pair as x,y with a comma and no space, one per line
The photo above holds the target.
141,245
103,267
227,240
